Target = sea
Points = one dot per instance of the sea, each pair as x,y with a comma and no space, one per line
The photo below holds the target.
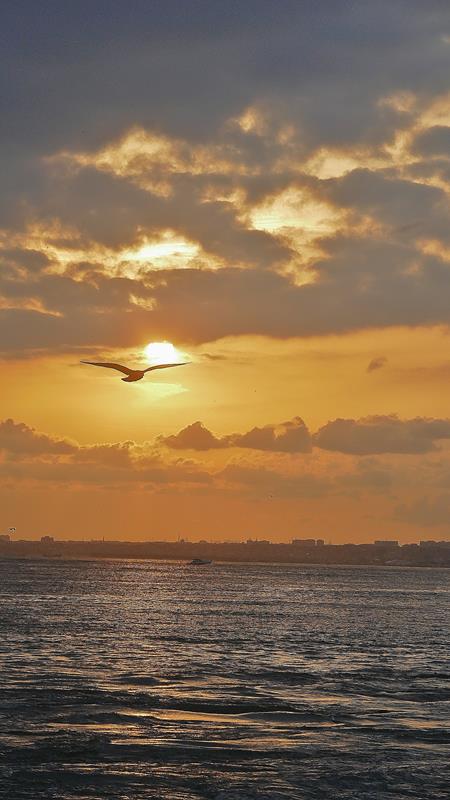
125,680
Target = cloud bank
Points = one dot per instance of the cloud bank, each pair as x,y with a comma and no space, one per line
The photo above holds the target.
303,194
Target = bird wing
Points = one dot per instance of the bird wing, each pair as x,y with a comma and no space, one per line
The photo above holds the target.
109,364
163,366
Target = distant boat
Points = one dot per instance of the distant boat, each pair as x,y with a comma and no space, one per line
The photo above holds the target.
199,562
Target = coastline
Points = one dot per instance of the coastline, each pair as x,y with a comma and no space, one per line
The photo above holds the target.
428,555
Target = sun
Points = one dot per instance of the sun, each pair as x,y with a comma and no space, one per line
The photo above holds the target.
162,353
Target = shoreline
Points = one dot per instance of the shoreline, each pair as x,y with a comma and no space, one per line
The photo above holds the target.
185,563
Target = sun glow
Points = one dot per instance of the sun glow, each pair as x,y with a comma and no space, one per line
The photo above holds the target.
162,353
168,246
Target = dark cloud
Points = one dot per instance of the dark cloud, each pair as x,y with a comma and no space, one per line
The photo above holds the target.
350,292
361,283
112,211
433,142
31,260
382,434
76,76
398,203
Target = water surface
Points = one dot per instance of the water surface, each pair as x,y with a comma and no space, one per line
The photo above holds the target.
125,680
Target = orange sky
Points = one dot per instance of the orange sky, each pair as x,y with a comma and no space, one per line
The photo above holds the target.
287,232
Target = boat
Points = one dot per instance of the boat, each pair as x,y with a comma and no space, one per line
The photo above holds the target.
199,562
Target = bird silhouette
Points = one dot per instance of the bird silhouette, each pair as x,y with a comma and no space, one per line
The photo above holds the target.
131,374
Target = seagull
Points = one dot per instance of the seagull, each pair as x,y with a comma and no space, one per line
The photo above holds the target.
131,374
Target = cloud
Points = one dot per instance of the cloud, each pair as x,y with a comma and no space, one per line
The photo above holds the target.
199,305
288,437
213,357
382,434
433,142
37,456
19,440
30,458
366,436
269,483
193,437
367,476
28,259
425,511
262,481
182,125
101,474
377,363
112,455
203,68
403,206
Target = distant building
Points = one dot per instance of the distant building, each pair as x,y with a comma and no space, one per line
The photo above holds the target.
5,538
257,541
47,539
386,542
304,542
320,542
434,543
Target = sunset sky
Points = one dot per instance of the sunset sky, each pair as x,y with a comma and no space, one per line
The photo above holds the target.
266,186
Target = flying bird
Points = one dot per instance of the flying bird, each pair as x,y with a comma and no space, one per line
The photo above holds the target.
131,374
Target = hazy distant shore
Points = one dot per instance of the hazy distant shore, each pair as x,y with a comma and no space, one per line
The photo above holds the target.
425,554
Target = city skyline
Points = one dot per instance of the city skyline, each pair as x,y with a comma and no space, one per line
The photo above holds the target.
314,552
